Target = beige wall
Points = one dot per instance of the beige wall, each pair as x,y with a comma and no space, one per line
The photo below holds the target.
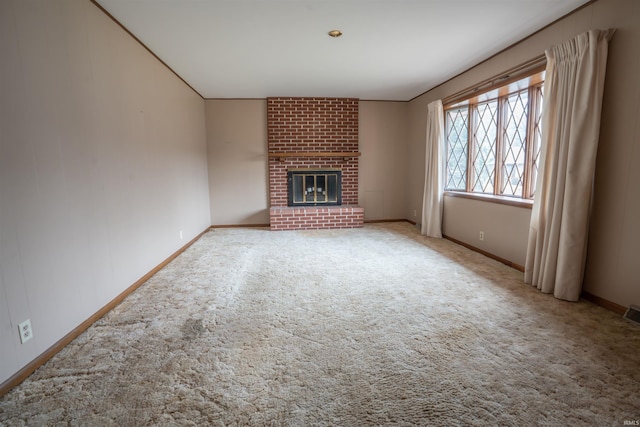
612,266
103,169
502,238
237,153
383,144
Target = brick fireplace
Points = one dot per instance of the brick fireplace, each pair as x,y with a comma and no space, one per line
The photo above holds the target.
313,134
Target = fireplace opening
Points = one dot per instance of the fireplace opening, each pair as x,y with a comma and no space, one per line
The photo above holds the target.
314,187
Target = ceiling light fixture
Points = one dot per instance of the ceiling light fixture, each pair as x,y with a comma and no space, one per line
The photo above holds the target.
335,33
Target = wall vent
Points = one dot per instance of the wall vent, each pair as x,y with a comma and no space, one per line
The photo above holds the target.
633,314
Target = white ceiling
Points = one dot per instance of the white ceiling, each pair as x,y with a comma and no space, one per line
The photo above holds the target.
390,50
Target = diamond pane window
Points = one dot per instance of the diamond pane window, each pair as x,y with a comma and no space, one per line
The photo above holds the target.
536,139
493,139
484,155
456,139
514,143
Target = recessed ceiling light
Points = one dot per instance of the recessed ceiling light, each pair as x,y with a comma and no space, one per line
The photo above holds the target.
335,33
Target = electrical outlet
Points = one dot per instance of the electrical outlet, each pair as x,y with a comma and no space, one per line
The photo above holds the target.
181,238
481,236
415,213
25,331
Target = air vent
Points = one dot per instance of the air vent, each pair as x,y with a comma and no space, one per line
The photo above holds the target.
633,314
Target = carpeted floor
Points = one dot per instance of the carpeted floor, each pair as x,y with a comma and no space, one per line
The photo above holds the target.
373,326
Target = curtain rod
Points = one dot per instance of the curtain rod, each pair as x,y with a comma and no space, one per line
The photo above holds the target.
537,63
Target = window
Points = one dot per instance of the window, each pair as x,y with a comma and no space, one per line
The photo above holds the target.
493,140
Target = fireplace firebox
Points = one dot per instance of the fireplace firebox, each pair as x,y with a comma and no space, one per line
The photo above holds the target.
314,187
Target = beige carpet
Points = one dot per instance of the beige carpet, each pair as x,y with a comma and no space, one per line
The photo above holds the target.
372,326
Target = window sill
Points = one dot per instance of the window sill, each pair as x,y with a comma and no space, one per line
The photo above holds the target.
502,200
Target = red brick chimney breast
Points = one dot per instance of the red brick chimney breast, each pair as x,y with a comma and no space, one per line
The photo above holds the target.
313,133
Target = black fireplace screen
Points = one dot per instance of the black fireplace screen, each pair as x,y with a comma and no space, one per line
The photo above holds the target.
314,187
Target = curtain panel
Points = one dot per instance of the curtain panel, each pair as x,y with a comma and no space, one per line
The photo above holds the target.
557,243
432,202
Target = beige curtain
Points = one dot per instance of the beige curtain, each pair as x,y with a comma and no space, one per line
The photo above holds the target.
558,232
432,201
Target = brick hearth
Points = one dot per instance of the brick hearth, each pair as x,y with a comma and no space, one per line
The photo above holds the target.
313,217
313,133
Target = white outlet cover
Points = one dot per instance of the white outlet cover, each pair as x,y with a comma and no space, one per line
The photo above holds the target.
26,333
